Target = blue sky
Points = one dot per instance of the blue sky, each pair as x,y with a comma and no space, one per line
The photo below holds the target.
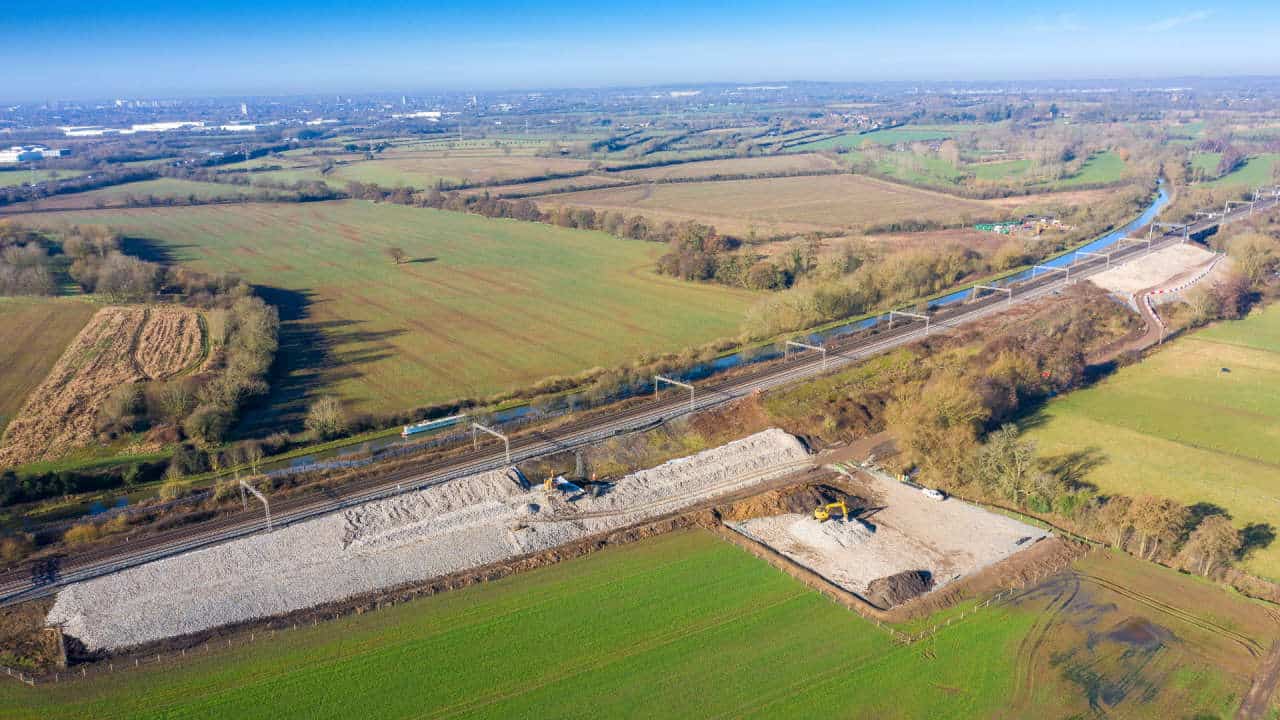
189,47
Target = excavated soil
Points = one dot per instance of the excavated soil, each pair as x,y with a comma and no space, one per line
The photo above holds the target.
23,634
120,345
887,592
799,499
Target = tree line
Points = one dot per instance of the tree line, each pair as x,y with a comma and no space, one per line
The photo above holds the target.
98,179
34,262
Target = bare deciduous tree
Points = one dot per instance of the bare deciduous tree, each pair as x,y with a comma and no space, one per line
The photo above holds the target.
325,417
1213,543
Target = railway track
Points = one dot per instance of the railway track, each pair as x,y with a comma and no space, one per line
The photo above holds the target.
45,577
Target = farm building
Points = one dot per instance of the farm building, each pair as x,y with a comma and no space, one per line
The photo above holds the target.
29,153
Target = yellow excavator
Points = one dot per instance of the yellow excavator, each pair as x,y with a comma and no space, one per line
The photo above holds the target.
824,513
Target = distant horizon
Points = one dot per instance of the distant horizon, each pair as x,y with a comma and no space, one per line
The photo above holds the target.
79,50
1079,83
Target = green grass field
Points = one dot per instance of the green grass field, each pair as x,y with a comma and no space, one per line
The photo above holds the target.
162,188
1000,170
1257,170
482,306
686,625
1100,168
1190,131
24,176
891,136
1176,425
680,626
33,334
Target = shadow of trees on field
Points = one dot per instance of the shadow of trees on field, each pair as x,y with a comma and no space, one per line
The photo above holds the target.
1200,511
1255,536
153,250
1073,467
310,361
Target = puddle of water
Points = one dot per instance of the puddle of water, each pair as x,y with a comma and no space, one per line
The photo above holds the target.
1140,632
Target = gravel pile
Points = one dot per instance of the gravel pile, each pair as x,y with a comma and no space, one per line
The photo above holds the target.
472,521
831,535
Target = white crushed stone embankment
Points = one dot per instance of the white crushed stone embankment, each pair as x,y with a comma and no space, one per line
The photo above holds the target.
1160,266
907,531
413,537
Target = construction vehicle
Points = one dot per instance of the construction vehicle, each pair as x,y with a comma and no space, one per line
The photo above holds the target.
558,483
823,513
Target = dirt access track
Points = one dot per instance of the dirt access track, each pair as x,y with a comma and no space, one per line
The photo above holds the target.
120,345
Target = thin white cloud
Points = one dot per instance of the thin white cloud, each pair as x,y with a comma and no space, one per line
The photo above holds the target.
1170,23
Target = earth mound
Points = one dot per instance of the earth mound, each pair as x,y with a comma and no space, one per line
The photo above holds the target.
798,499
886,592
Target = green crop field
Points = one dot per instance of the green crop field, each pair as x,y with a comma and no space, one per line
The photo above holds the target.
1199,421
688,626
33,334
482,305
